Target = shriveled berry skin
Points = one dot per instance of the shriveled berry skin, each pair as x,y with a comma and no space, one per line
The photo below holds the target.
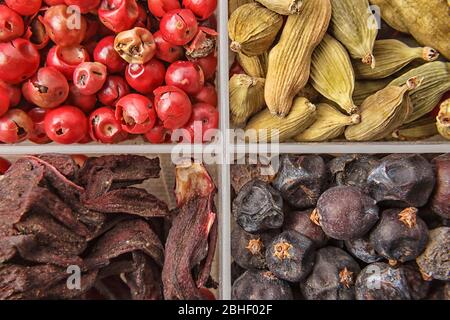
362,249
418,287
440,200
260,285
402,180
434,262
352,169
301,222
290,256
379,281
243,173
258,207
333,276
236,271
346,212
301,179
249,250
399,235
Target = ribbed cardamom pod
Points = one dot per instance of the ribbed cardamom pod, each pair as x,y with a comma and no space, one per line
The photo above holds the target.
253,28
427,21
285,7
330,124
436,83
354,25
255,66
383,112
420,129
246,97
364,89
391,56
265,127
290,59
234,4
332,73
443,120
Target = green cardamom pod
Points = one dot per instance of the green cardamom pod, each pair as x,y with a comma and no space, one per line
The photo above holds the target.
330,124
391,56
354,25
383,112
436,82
265,127
253,28
364,89
246,97
420,129
332,73
255,66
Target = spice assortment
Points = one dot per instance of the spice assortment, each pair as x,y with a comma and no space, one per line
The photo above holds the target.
352,57
57,216
343,227
107,71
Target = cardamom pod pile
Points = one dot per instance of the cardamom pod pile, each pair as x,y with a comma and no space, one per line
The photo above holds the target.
356,70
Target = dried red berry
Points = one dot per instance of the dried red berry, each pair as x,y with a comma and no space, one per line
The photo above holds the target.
136,113
179,26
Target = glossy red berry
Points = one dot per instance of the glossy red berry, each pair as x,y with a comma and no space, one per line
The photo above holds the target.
113,90
66,59
208,95
66,124
208,65
158,134
202,9
4,165
15,93
166,51
172,106
185,75
136,113
203,122
62,27
89,77
36,33
15,126
84,5
159,7
48,88
84,102
104,53
104,127
24,7
38,134
145,78
5,100
19,60
179,26
118,15
11,24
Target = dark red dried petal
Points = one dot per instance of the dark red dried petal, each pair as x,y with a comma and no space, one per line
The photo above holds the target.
132,201
127,236
145,282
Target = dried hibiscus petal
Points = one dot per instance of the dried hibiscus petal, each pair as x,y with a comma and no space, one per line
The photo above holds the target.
63,163
192,238
9,244
127,236
132,201
51,234
145,282
126,168
16,279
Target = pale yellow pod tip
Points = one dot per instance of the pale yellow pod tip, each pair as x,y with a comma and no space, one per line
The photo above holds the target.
414,82
235,46
369,59
429,54
355,118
